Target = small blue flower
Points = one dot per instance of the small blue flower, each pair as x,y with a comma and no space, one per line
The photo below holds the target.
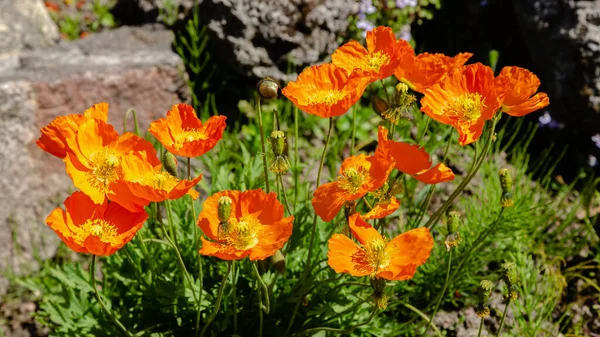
596,140
592,161
365,26
406,3
546,121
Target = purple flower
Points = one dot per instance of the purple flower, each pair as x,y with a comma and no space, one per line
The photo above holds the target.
366,7
546,121
592,161
596,140
405,33
406,3
365,26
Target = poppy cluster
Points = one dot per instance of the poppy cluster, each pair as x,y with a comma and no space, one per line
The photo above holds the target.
118,175
452,93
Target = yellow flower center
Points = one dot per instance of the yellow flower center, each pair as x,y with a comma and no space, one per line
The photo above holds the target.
376,60
328,97
188,136
160,180
467,107
242,233
353,178
102,229
104,168
376,254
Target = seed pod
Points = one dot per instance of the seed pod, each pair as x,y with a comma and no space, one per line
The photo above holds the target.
224,210
453,221
505,180
169,163
277,141
278,261
268,88
379,105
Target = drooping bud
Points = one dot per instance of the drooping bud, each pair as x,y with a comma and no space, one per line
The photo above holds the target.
379,105
505,180
224,210
277,141
278,261
453,238
510,278
484,292
268,88
169,163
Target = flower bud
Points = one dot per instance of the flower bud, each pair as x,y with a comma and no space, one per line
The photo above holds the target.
381,300
505,180
379,105
507,200
277,141
510,273
268,88
453,221
485,291
169,163
224,209
278,262
378,284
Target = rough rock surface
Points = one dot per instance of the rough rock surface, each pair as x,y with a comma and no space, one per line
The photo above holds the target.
563,37
127,67
259,38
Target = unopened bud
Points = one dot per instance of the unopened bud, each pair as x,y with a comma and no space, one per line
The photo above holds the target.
510,273
378,284
379,105
453,221
277,141
169,163
278,261
224,210
381,300
505,180
485,291
268,88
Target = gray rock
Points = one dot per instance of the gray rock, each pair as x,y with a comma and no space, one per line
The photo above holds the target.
261,37
127,67
563,37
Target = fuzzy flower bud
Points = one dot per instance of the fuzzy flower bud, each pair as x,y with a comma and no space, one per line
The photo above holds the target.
453,221
510,272
485,291
268,88
224,210
379,105
169,163
278,261
277,141
505,180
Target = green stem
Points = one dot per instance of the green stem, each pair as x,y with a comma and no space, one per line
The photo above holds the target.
420,313
106,310
135,122
296,172
262,144
503,316
387,96
425,130
184,270
284,194
313,231
265,290
276,113
352,144
480,327
441,296
436,216
196,245
336,330
234,286
215,311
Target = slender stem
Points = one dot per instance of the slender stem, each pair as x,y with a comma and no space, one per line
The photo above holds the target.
336,330
425,130
480,328
234,286
352,144
313,231
196,245
218,302
436,216
184,270
420,313
503,316
264,288
441,296
296,172
262,144
135,122
276,113
284,194
106,310
387,96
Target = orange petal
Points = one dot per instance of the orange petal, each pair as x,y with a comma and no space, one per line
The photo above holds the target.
208,219
349,56
272,238
408,158
266,206
54,136
361,230
98,111
437,174
538,101
328,201
82,180
382,209
221,251
408,250
342,256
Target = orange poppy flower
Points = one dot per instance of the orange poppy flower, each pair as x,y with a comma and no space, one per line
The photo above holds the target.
358,176
183,134
379,60
96,154
395,259
143,183
518,85
465,99
54,135
256,226
325,90
425,70
86,227
413,160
